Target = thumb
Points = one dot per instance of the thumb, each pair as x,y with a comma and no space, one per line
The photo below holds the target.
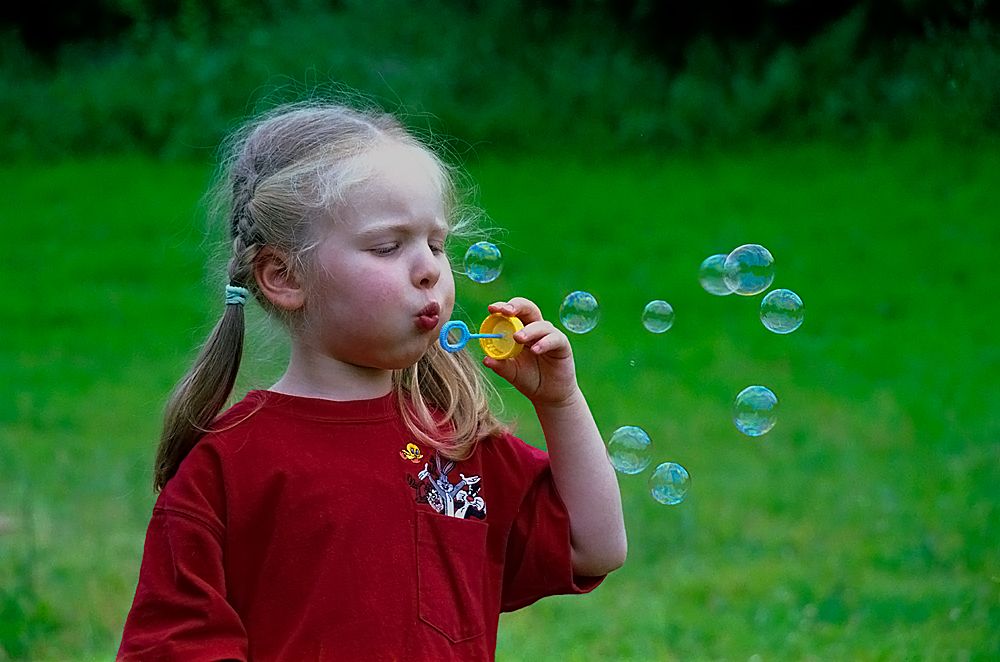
505,369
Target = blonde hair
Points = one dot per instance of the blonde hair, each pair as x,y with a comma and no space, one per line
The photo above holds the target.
275,174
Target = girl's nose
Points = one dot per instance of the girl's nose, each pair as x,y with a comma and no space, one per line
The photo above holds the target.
427,270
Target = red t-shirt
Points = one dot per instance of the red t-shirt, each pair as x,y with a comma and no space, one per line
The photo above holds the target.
310,529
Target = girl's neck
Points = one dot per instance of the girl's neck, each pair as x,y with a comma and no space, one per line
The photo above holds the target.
317,376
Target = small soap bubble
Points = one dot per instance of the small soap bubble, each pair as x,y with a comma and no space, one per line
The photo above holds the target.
712,275
749,269
483,262
755,410
669,483
630,449
781,311
658,316
579,312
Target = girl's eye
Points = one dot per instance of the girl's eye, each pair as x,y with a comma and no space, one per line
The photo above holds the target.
437,248
385,249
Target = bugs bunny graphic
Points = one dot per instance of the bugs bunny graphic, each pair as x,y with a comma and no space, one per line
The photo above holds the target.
455,500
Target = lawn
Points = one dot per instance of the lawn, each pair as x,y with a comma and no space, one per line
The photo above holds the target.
865,525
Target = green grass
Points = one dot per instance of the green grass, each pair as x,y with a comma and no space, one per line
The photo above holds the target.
864,526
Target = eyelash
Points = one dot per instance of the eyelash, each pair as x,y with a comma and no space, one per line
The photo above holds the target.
437,249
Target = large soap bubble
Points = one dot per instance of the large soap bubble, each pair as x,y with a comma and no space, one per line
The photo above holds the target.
781,311
712,275
630,449
749,269
755,410
579,312
483,262
669,483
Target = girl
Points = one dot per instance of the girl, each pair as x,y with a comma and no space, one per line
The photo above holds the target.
368,505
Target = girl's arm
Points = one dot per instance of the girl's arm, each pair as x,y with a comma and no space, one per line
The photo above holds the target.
545,373
180,610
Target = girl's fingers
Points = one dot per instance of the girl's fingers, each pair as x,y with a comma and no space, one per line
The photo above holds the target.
542,337
533,331
523,309
545,346
538,335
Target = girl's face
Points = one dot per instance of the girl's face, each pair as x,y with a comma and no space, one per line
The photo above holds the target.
382,286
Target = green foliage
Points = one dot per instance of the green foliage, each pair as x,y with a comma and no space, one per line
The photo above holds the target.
503,76
25,620
26,617
864,526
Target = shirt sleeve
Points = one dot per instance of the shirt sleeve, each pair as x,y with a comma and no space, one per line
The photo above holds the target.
539,558
180,611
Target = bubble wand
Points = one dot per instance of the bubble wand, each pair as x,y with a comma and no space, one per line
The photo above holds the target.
496,336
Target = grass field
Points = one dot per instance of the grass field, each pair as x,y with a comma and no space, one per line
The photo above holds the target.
866,525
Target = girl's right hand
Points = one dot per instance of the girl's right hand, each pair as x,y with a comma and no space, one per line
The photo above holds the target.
545,372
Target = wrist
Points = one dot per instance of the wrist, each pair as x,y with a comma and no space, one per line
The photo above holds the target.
573,399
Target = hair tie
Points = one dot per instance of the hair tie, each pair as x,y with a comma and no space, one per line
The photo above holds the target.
236,295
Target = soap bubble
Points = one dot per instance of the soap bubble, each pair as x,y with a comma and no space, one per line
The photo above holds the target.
669,483
749,269
712,275
579,312
483,262
629,449
781,311
755,410
658,316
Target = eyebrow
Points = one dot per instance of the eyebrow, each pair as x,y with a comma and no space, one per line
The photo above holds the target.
406,228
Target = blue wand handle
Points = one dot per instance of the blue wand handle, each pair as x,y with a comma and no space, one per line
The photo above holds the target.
464,336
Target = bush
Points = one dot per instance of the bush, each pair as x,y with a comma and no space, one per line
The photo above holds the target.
502,77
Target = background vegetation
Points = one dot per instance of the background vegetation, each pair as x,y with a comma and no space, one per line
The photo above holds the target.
169,78
618,144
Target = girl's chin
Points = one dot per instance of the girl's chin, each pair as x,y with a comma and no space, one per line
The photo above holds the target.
403,361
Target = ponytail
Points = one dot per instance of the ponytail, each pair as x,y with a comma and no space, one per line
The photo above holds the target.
202,393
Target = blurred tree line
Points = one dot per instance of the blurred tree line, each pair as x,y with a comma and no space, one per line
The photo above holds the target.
169,77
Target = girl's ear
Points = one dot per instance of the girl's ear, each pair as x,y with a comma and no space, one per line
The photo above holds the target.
277,280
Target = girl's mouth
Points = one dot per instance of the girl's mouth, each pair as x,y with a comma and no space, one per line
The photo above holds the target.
429,316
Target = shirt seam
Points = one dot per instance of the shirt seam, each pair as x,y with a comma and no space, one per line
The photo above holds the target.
213,529
358,418
267,402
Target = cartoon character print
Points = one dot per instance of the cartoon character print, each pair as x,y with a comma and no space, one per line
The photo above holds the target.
434,487
411,453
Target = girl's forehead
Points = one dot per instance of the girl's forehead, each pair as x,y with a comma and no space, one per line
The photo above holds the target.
396,183
405,166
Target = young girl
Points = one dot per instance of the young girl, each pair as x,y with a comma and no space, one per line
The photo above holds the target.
367,506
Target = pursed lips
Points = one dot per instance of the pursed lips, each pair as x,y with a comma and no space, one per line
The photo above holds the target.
429,316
